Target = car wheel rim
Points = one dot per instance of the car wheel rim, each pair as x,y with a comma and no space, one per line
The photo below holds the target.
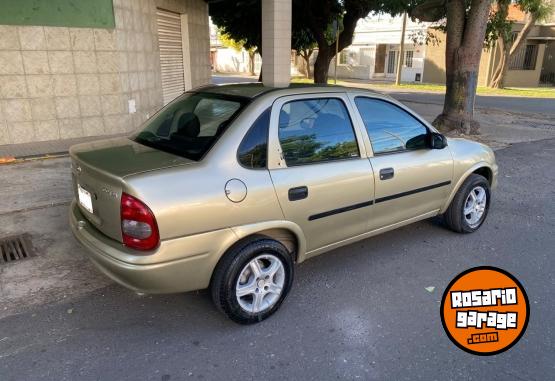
475,206
260,283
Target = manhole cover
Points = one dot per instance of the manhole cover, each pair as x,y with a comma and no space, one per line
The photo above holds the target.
15,248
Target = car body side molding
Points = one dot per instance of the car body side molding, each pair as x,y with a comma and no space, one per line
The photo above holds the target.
340,210
370,202
412,191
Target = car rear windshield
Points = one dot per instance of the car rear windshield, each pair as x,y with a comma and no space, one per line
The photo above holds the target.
191,124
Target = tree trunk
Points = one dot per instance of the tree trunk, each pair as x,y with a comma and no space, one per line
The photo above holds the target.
507,49
326,50
523,34
503,45
306,56
498,78
465,38
322,65
251,63
458,107
307,66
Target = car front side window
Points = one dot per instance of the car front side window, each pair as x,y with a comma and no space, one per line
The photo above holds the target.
389,127
316,130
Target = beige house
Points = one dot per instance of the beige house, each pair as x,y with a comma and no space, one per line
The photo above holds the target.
532,66
101,70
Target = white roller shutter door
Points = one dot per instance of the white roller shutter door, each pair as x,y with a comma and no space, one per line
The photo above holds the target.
171,54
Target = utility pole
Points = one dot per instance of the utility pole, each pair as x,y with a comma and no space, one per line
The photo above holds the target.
401,51
336,27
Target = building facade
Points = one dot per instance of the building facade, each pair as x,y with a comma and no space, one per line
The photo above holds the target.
102,70
532,65
374,53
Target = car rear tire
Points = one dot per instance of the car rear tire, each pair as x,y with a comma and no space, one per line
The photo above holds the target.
252,279
469,207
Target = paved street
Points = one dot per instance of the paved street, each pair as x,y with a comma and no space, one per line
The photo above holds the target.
513,104
359,312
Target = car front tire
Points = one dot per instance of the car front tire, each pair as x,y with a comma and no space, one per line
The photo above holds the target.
470,206
252,279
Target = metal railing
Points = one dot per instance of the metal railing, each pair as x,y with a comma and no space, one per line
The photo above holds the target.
525,58
547,79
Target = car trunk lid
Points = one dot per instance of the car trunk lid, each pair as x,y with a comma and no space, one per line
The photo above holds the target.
99,170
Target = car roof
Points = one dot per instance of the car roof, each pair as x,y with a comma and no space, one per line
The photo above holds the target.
256,89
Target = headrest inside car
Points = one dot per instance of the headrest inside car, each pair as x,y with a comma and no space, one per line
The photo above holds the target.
188,125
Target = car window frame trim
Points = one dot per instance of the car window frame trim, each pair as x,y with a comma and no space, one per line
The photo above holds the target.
381,97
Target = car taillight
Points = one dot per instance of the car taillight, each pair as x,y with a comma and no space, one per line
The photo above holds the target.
138,225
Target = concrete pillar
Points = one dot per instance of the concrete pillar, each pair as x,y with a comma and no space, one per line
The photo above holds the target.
276,42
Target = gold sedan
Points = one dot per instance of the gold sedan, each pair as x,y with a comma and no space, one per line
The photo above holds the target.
229,186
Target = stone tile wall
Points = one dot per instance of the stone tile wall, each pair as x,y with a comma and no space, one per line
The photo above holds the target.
59,83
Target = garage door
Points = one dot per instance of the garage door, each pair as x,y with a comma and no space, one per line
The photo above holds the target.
171,54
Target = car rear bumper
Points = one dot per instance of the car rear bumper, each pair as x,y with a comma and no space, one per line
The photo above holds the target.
177,265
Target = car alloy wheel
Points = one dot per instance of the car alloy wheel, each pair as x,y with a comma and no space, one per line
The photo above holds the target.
260,283
475,206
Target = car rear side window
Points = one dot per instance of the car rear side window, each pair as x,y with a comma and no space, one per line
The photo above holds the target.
316,130
253,150
190,125
390,128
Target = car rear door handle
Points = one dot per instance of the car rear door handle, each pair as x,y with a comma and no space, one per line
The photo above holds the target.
298,193
386,173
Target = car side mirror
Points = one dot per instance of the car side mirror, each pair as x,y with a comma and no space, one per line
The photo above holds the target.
437,141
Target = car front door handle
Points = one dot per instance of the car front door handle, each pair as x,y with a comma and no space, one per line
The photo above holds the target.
298,193
386,173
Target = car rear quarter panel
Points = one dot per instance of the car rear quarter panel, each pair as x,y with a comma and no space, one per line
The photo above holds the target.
191,199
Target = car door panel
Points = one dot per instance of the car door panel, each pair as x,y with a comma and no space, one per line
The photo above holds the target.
336,207
329,200
411,179
420,184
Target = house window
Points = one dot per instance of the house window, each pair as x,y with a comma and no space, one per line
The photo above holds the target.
525,58
408,58
391,61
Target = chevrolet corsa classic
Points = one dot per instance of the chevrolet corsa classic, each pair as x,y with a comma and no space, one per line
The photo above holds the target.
229,186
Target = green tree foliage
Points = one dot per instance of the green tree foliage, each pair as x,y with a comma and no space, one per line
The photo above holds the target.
312,20
318,15
240,20
304,44
229,42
